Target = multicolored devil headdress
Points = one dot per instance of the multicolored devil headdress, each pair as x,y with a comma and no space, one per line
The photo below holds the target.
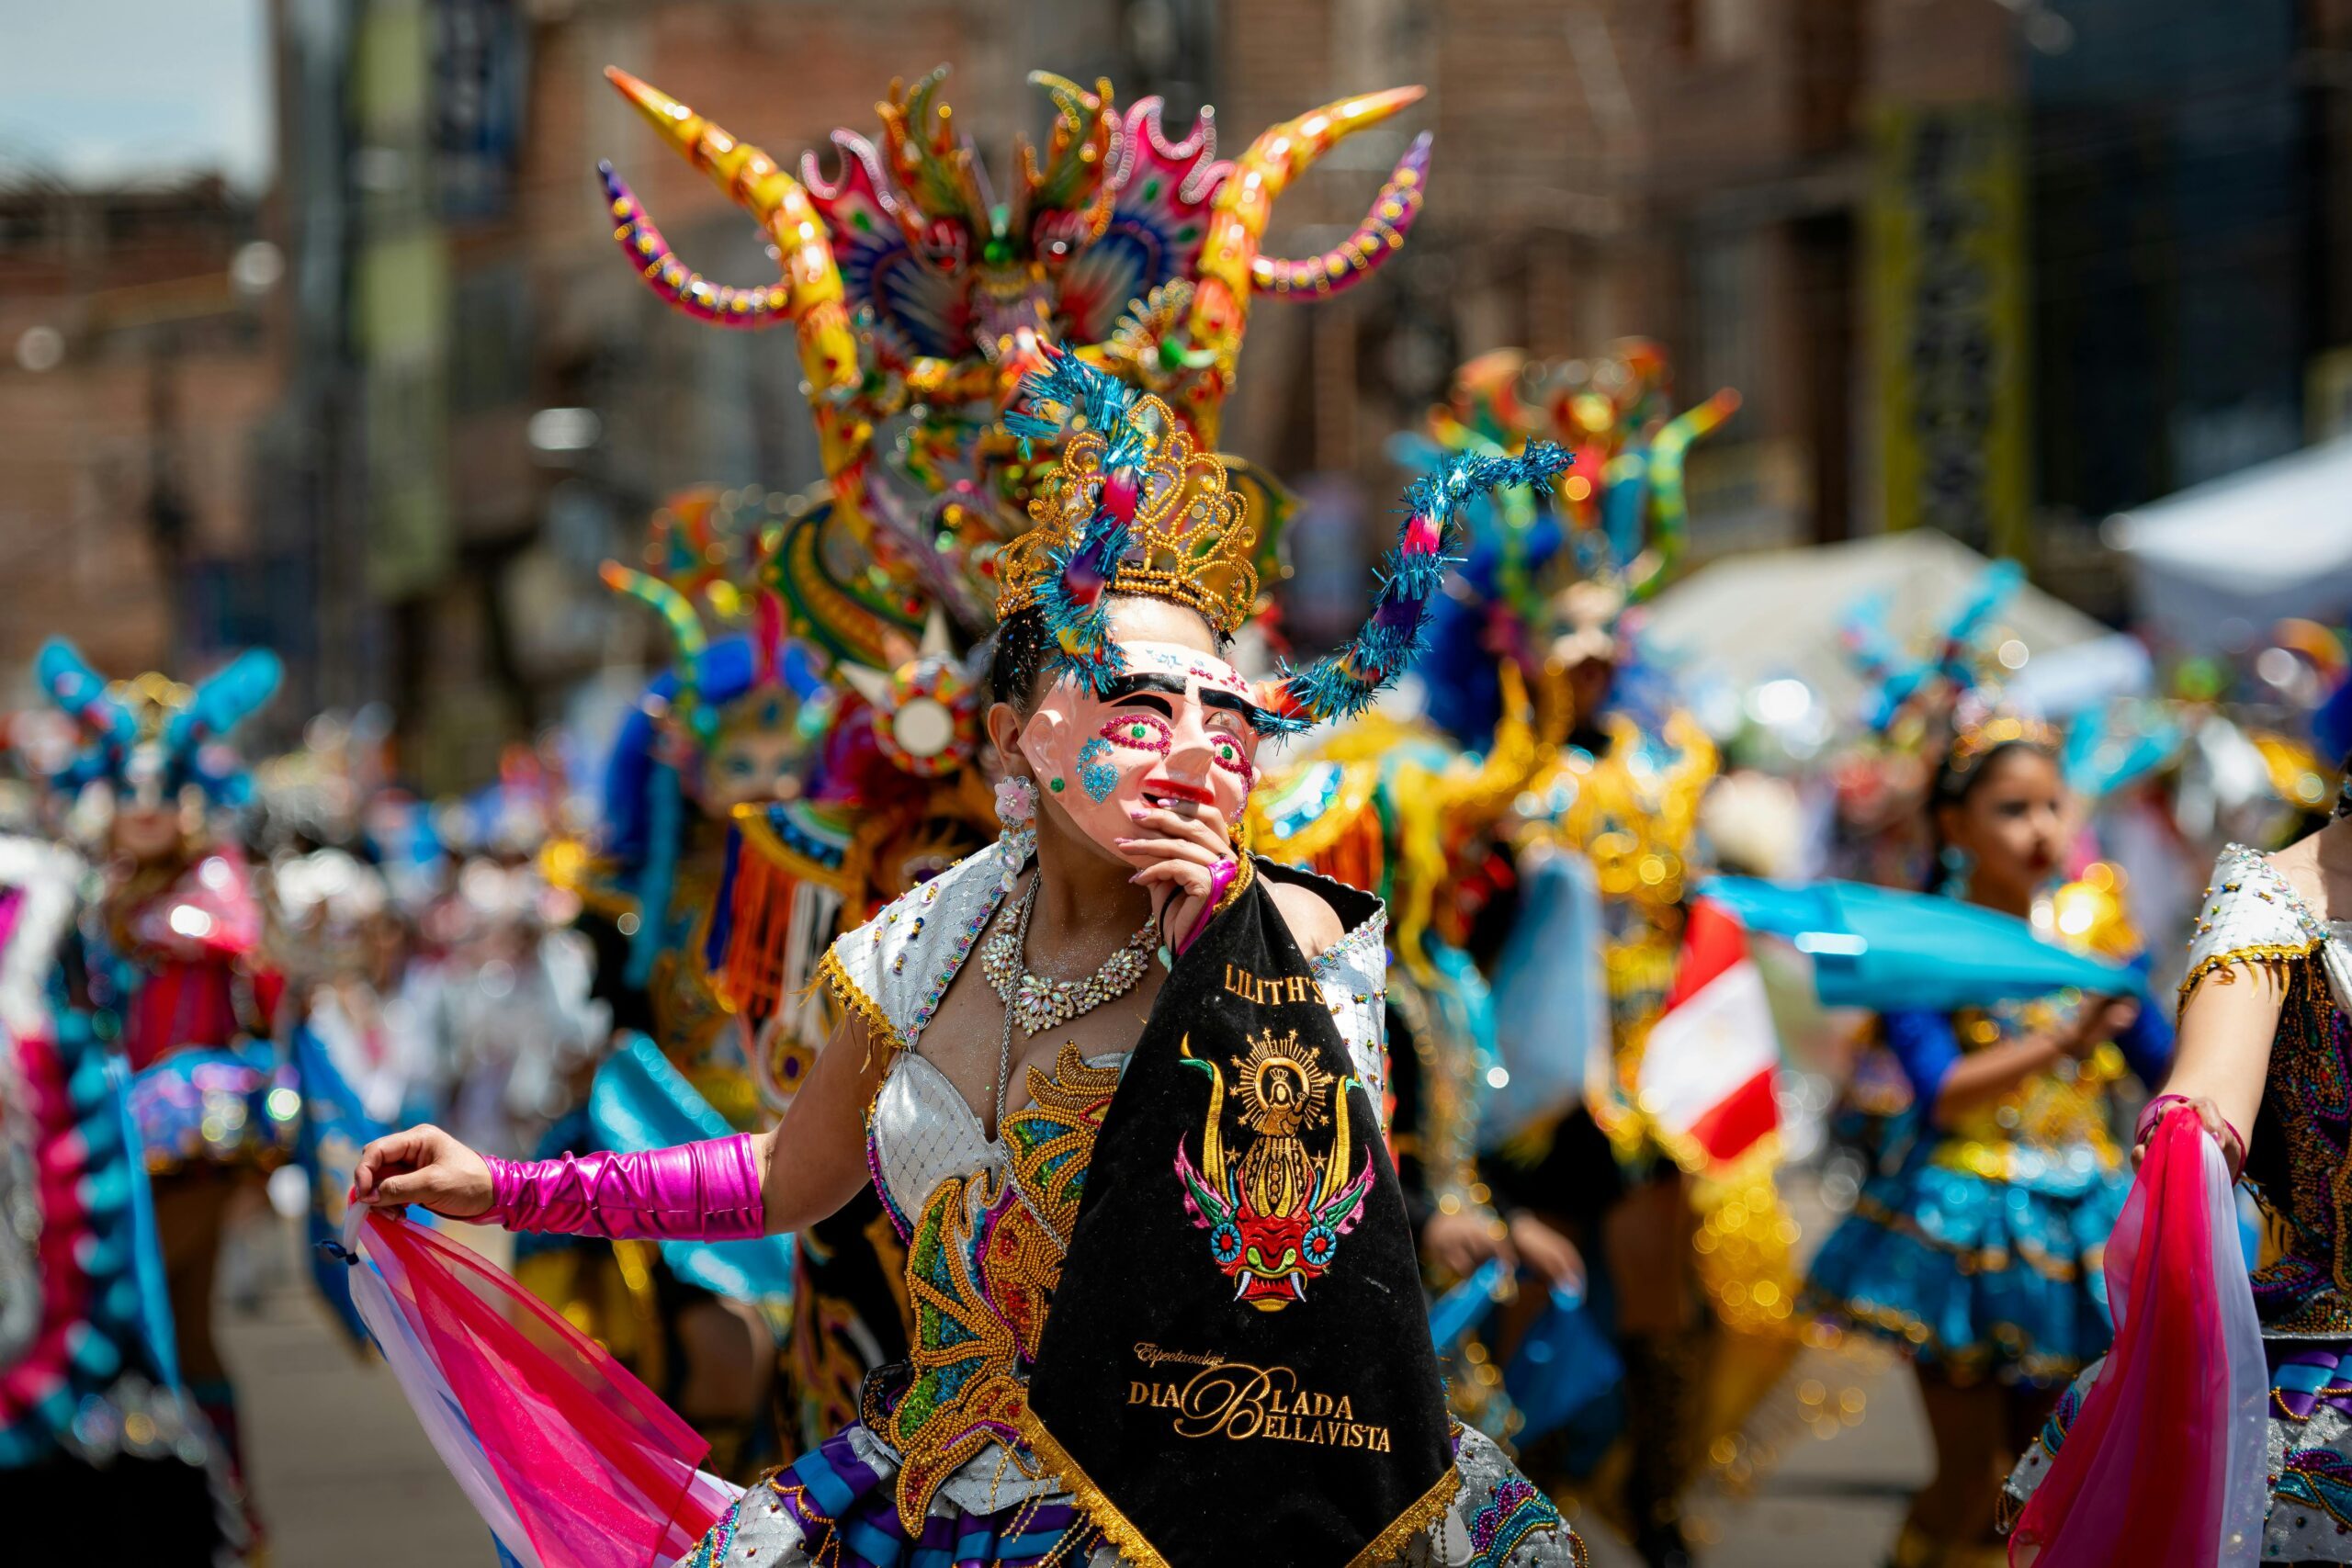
701,552
1136,509
922,299
1552,571
152,737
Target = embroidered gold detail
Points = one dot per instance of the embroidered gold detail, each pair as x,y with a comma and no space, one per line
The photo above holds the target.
1389,1544
981,1273
852,998
1263,992
1237,1402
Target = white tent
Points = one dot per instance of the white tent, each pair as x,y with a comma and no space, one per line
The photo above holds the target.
1749,619
2216,564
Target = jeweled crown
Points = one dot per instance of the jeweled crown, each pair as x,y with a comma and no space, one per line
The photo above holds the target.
1189,538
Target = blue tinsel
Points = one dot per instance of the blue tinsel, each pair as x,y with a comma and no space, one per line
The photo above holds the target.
1083,646
220,704
1344,683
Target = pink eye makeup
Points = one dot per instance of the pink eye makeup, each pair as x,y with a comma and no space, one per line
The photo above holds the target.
1226,753
1140,732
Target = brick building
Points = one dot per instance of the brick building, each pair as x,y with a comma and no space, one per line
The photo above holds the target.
136,362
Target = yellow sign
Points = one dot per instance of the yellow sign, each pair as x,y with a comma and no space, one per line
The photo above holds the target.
1946,244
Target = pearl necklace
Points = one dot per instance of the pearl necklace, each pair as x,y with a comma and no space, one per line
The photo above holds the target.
1039,1002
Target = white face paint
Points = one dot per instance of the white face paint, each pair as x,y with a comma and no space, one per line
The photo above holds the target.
1174,732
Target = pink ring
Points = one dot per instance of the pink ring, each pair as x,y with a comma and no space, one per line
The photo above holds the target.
1220,879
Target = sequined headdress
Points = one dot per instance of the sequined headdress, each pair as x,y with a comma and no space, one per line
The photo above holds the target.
921,300
702,560
1553,568
1135,509
152,735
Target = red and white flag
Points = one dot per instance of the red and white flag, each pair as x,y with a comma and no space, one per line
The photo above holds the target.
1707,1070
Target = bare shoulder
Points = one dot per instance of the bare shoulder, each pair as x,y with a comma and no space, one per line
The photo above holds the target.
1312,923
2318,866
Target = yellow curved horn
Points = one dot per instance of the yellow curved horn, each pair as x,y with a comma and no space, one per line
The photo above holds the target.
1335,1168
1244,204
752,179
1211,1142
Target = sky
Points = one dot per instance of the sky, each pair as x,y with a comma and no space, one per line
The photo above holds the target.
99,90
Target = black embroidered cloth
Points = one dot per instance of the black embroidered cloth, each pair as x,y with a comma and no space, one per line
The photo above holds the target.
1238,1364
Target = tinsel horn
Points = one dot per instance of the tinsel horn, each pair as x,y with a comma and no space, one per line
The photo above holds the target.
1074,596
237,690
81,691
677,611
1342,685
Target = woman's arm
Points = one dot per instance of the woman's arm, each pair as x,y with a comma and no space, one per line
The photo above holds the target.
805,1168
815,1159
2224,1053
1977,1078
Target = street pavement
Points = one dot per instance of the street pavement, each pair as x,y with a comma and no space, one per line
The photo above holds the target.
347,1479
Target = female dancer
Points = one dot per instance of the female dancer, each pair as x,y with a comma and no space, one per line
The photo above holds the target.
169,963
2265,1045
1166,1296
1978,1248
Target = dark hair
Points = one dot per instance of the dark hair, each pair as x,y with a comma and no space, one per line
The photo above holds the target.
1016,662
1957,778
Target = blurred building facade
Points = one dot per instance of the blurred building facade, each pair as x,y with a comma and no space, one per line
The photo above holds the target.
138,365
1996,266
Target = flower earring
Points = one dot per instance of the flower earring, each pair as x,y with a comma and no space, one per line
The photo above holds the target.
1016,811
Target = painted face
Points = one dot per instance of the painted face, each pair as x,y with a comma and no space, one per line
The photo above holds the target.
1174,731
148,832
757,756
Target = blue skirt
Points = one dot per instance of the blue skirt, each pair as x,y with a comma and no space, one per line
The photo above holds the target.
1976,1277
232,1106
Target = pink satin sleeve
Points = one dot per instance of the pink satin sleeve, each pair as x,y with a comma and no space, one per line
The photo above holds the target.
701,1191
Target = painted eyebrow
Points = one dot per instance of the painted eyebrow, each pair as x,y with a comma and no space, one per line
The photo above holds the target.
1136,680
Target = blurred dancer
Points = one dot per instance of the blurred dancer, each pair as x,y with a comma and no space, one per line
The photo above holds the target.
169,964
1399,810
1976,1248
720,730
1603,844
93,1424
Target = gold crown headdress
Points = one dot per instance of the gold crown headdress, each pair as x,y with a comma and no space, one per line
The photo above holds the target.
1135,510
1181,535
1972,742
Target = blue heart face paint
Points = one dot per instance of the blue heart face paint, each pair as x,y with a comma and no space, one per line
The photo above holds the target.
1097,775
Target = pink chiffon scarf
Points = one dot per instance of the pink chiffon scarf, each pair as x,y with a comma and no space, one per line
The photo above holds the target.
570,1461
2165,1466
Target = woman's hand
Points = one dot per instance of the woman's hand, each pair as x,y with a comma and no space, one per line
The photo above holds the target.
1182,854
423,1165
2209,1117
2100,1020
1457,1243
1552,1257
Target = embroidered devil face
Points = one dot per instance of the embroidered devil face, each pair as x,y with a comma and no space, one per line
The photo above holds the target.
1174,730
1274,1211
